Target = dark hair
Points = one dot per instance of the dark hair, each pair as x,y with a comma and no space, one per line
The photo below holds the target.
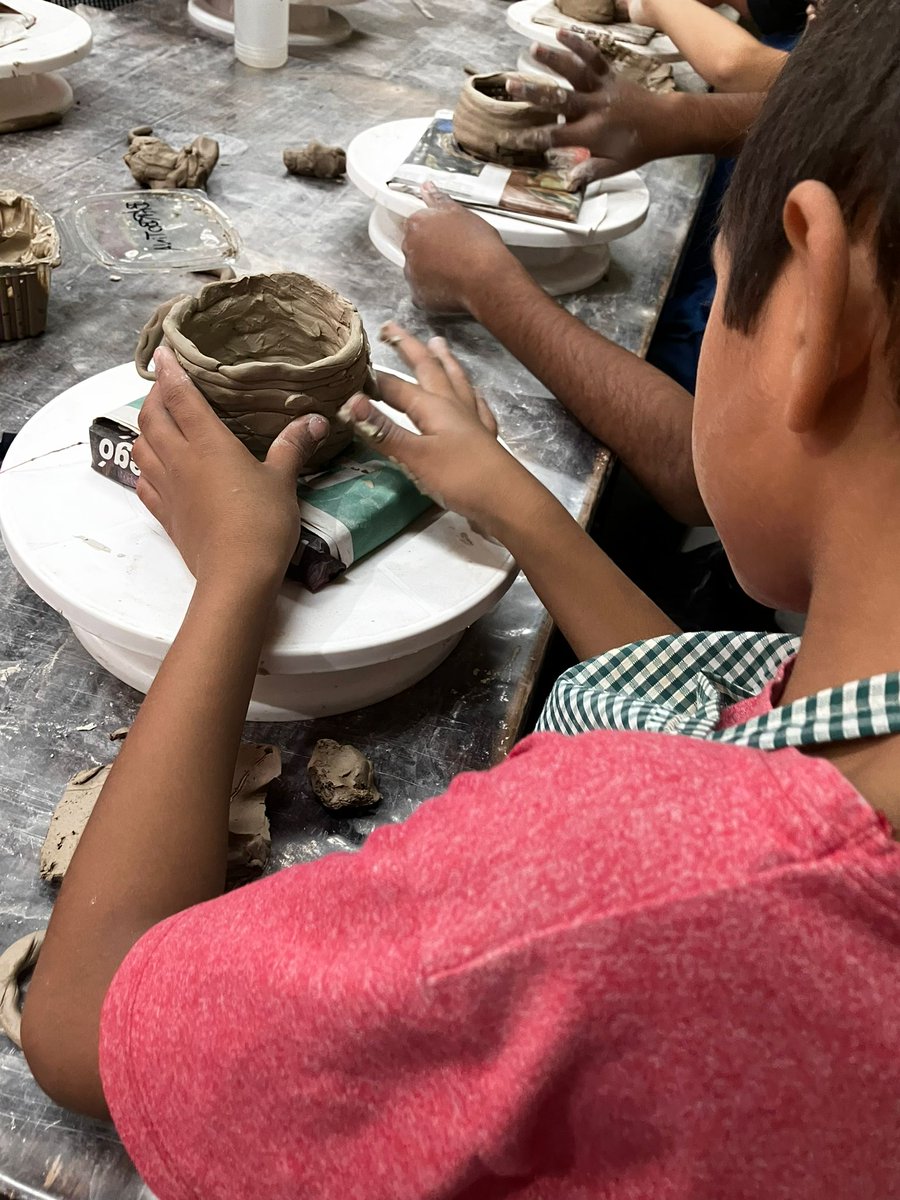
832,115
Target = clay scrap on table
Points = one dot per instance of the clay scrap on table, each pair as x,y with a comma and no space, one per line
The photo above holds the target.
485,116
316,160
15,963
249,840
155,164
29,250
264,350
342,776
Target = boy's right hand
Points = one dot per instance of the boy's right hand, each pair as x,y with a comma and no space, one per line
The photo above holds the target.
232,518
455,457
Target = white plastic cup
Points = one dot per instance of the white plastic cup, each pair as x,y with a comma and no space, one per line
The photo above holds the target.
261,32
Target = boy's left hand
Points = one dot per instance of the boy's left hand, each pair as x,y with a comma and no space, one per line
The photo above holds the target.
455,457
229,515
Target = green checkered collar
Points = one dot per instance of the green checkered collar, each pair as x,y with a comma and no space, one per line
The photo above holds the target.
682,684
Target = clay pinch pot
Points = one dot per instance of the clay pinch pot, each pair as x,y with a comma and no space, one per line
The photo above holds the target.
264,350
486,114
597,12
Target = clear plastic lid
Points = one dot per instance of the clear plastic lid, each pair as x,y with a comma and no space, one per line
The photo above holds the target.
172,229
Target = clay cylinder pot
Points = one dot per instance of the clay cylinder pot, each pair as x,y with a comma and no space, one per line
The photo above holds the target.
599,12
29,250
264,350
485,113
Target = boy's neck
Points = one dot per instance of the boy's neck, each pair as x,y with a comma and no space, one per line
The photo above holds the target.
853,632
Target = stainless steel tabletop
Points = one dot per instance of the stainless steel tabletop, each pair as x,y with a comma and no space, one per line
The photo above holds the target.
57,706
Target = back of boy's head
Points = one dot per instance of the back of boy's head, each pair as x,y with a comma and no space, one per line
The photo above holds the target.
833,115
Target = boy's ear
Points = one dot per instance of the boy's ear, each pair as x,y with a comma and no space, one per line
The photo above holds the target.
832,316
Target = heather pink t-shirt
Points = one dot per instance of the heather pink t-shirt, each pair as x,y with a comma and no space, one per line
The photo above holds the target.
622,965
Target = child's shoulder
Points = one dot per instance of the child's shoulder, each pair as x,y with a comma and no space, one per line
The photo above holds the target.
590,826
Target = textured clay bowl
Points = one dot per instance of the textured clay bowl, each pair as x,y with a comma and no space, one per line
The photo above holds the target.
29,250
485,113
264,350
599,12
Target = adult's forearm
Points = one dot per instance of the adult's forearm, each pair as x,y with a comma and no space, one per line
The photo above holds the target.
156,842
637,411
704,123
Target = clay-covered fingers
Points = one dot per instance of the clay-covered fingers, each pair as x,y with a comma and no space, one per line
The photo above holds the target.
548,97
156,424
456,376
376,427
181,399
436,199
594,169
147,461
150,498
296,444
598,65
461,384
427,368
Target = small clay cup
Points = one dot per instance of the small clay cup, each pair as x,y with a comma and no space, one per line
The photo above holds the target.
485,113
29,250
598,12
264,350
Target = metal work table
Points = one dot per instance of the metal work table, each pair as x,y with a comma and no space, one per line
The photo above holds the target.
56,705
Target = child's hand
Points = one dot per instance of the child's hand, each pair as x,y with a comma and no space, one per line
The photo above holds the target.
448,250
455,458
229,515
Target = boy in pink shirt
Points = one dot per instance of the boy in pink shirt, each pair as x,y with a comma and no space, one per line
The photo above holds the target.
677,976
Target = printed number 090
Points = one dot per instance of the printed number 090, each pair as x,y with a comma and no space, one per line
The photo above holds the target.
119,453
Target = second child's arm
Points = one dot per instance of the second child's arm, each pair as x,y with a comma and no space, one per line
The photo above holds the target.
721,52
455,259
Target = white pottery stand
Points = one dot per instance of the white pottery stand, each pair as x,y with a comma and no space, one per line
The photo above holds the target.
561,260
311,24
520,18
91,550
31,93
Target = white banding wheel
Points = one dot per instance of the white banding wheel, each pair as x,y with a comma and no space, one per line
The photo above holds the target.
311,25
562,259
92,551
31,93
16,962
520,18
559,271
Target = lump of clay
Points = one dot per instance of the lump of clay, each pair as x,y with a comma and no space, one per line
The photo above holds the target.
15,963
486,114
249,840
342,776
598,12
264,350
29,250
321,162
155,164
